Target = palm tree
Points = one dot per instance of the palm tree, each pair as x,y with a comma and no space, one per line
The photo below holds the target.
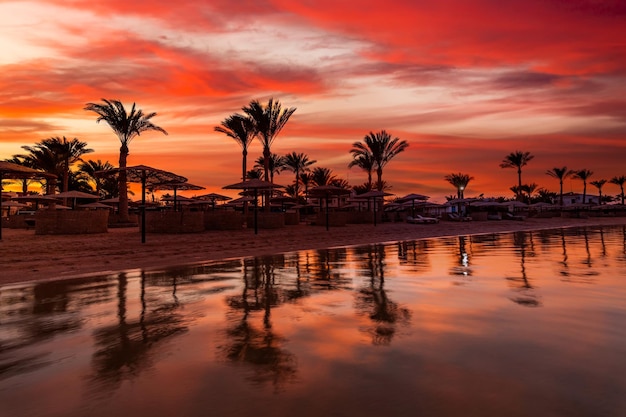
382,148
561,174
599,184
255,173
306,178
43,158
584,175
322,176
276,165
517,159
619,181
241,129
90,168
68,152
127,126
365,161
297,163
459,181
530,189
268,121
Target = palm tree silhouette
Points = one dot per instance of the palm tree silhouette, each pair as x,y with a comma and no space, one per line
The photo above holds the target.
619,181
584,175
459,181
127,126
297,163
365,161
322,176
599,184
561,174
89,169
382,148
68,152
517,159
276,165
43,158
268,121
241,129
25,162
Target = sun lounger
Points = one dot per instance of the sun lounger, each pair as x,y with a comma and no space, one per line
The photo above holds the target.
417,219
510,216
458,218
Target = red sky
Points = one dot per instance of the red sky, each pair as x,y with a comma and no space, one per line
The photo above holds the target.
465,83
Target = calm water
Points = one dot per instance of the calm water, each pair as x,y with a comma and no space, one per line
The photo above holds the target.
523,324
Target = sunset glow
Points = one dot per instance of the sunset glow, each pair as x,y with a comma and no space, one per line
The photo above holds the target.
465,83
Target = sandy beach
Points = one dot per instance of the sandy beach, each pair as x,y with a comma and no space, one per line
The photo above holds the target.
25,256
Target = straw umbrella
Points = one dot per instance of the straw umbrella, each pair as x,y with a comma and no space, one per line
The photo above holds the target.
327,191
412,198
74,195
175,186
374,194
9,170
146,176
213,197
253,185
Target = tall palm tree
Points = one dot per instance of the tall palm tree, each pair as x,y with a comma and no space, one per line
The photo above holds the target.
322,176
584,175
268,121
459,181
127,126
530,189
241,129
599,184
382,148
276,165
297,163
619,180
561,174
517,159
365,161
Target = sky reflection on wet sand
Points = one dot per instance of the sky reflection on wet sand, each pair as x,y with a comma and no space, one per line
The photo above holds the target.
509,324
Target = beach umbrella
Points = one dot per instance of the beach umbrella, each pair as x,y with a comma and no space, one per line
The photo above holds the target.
74,195
9,170
254,185
213,197
327,191
147,176
412,198
373,194
175,186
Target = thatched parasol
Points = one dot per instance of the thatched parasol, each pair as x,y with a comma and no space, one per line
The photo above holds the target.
373,194
327,191
146,176
175,186
9,170
255,185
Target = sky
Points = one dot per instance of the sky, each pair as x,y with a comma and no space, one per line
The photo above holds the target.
465,83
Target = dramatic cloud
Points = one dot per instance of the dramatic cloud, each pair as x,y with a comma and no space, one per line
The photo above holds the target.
464,82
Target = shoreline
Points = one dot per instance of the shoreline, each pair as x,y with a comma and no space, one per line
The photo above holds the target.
26,257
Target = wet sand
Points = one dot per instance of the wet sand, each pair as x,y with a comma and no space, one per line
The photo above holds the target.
25,256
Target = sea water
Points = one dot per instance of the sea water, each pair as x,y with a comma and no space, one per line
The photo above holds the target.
513,324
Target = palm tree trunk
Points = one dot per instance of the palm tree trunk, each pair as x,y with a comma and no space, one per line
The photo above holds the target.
296,184
561,194
379,174
244,164
519,182
123,185
266,166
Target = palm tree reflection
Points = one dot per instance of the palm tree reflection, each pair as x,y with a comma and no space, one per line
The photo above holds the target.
372,299
258,345
526,296
123,350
